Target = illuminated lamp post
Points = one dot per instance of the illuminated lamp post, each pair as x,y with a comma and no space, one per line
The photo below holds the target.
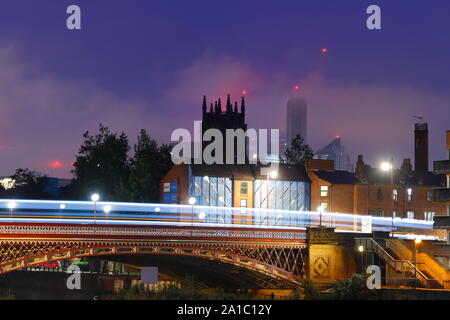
389,166
272,174
417,242
192,202
62,206
95,197
107,209
320,209
11,206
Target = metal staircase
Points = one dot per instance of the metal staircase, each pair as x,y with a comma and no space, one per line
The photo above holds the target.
424,262
404,267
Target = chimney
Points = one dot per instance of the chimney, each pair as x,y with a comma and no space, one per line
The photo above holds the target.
406,166
421,147
359,170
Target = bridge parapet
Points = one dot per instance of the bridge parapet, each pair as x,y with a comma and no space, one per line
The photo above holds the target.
68,232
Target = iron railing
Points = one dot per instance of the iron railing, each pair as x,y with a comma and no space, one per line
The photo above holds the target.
401,266
422,265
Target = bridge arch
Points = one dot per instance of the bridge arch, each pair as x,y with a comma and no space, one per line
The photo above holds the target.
283,263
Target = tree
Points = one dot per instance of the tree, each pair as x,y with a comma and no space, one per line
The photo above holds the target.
102,163
351,289
27,184
148,166
298,152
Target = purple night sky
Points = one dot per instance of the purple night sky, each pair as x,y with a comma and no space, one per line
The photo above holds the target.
147,64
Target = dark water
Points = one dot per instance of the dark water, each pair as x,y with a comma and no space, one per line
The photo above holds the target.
28,285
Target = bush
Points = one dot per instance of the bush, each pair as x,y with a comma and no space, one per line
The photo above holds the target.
7,295
309,290
354,288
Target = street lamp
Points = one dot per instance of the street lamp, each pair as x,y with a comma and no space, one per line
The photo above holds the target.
62,206
417,242
320,209
95,197
11,205
192,202
272,174
389,166
107,209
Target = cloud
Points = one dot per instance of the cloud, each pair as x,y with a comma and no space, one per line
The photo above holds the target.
44,117
374,119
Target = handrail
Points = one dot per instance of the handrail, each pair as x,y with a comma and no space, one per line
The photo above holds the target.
394,262
394,244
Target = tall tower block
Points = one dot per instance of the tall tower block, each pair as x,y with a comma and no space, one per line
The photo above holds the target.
421,147
296,119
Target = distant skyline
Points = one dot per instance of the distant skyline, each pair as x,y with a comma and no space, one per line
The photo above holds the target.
147,64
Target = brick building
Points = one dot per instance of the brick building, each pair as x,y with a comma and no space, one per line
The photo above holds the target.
368,191
442,195
237,186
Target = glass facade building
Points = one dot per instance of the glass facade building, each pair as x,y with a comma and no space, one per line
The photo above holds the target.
211,191
283,195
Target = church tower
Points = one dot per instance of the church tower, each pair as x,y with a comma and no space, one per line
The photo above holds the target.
230,118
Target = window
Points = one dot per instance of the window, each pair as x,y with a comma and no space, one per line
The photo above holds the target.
244,187
394,214
379,194
324,191
379,212
410,214
243,203
325,206
430,196
409,193
394,194
428,215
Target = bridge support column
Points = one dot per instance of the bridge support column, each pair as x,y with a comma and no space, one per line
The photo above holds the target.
331,255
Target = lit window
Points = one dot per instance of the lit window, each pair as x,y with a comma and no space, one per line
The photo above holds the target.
243,203
394,214
410,214
429,215
324,191
324,206
430,196
394,194
409,192
244,187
